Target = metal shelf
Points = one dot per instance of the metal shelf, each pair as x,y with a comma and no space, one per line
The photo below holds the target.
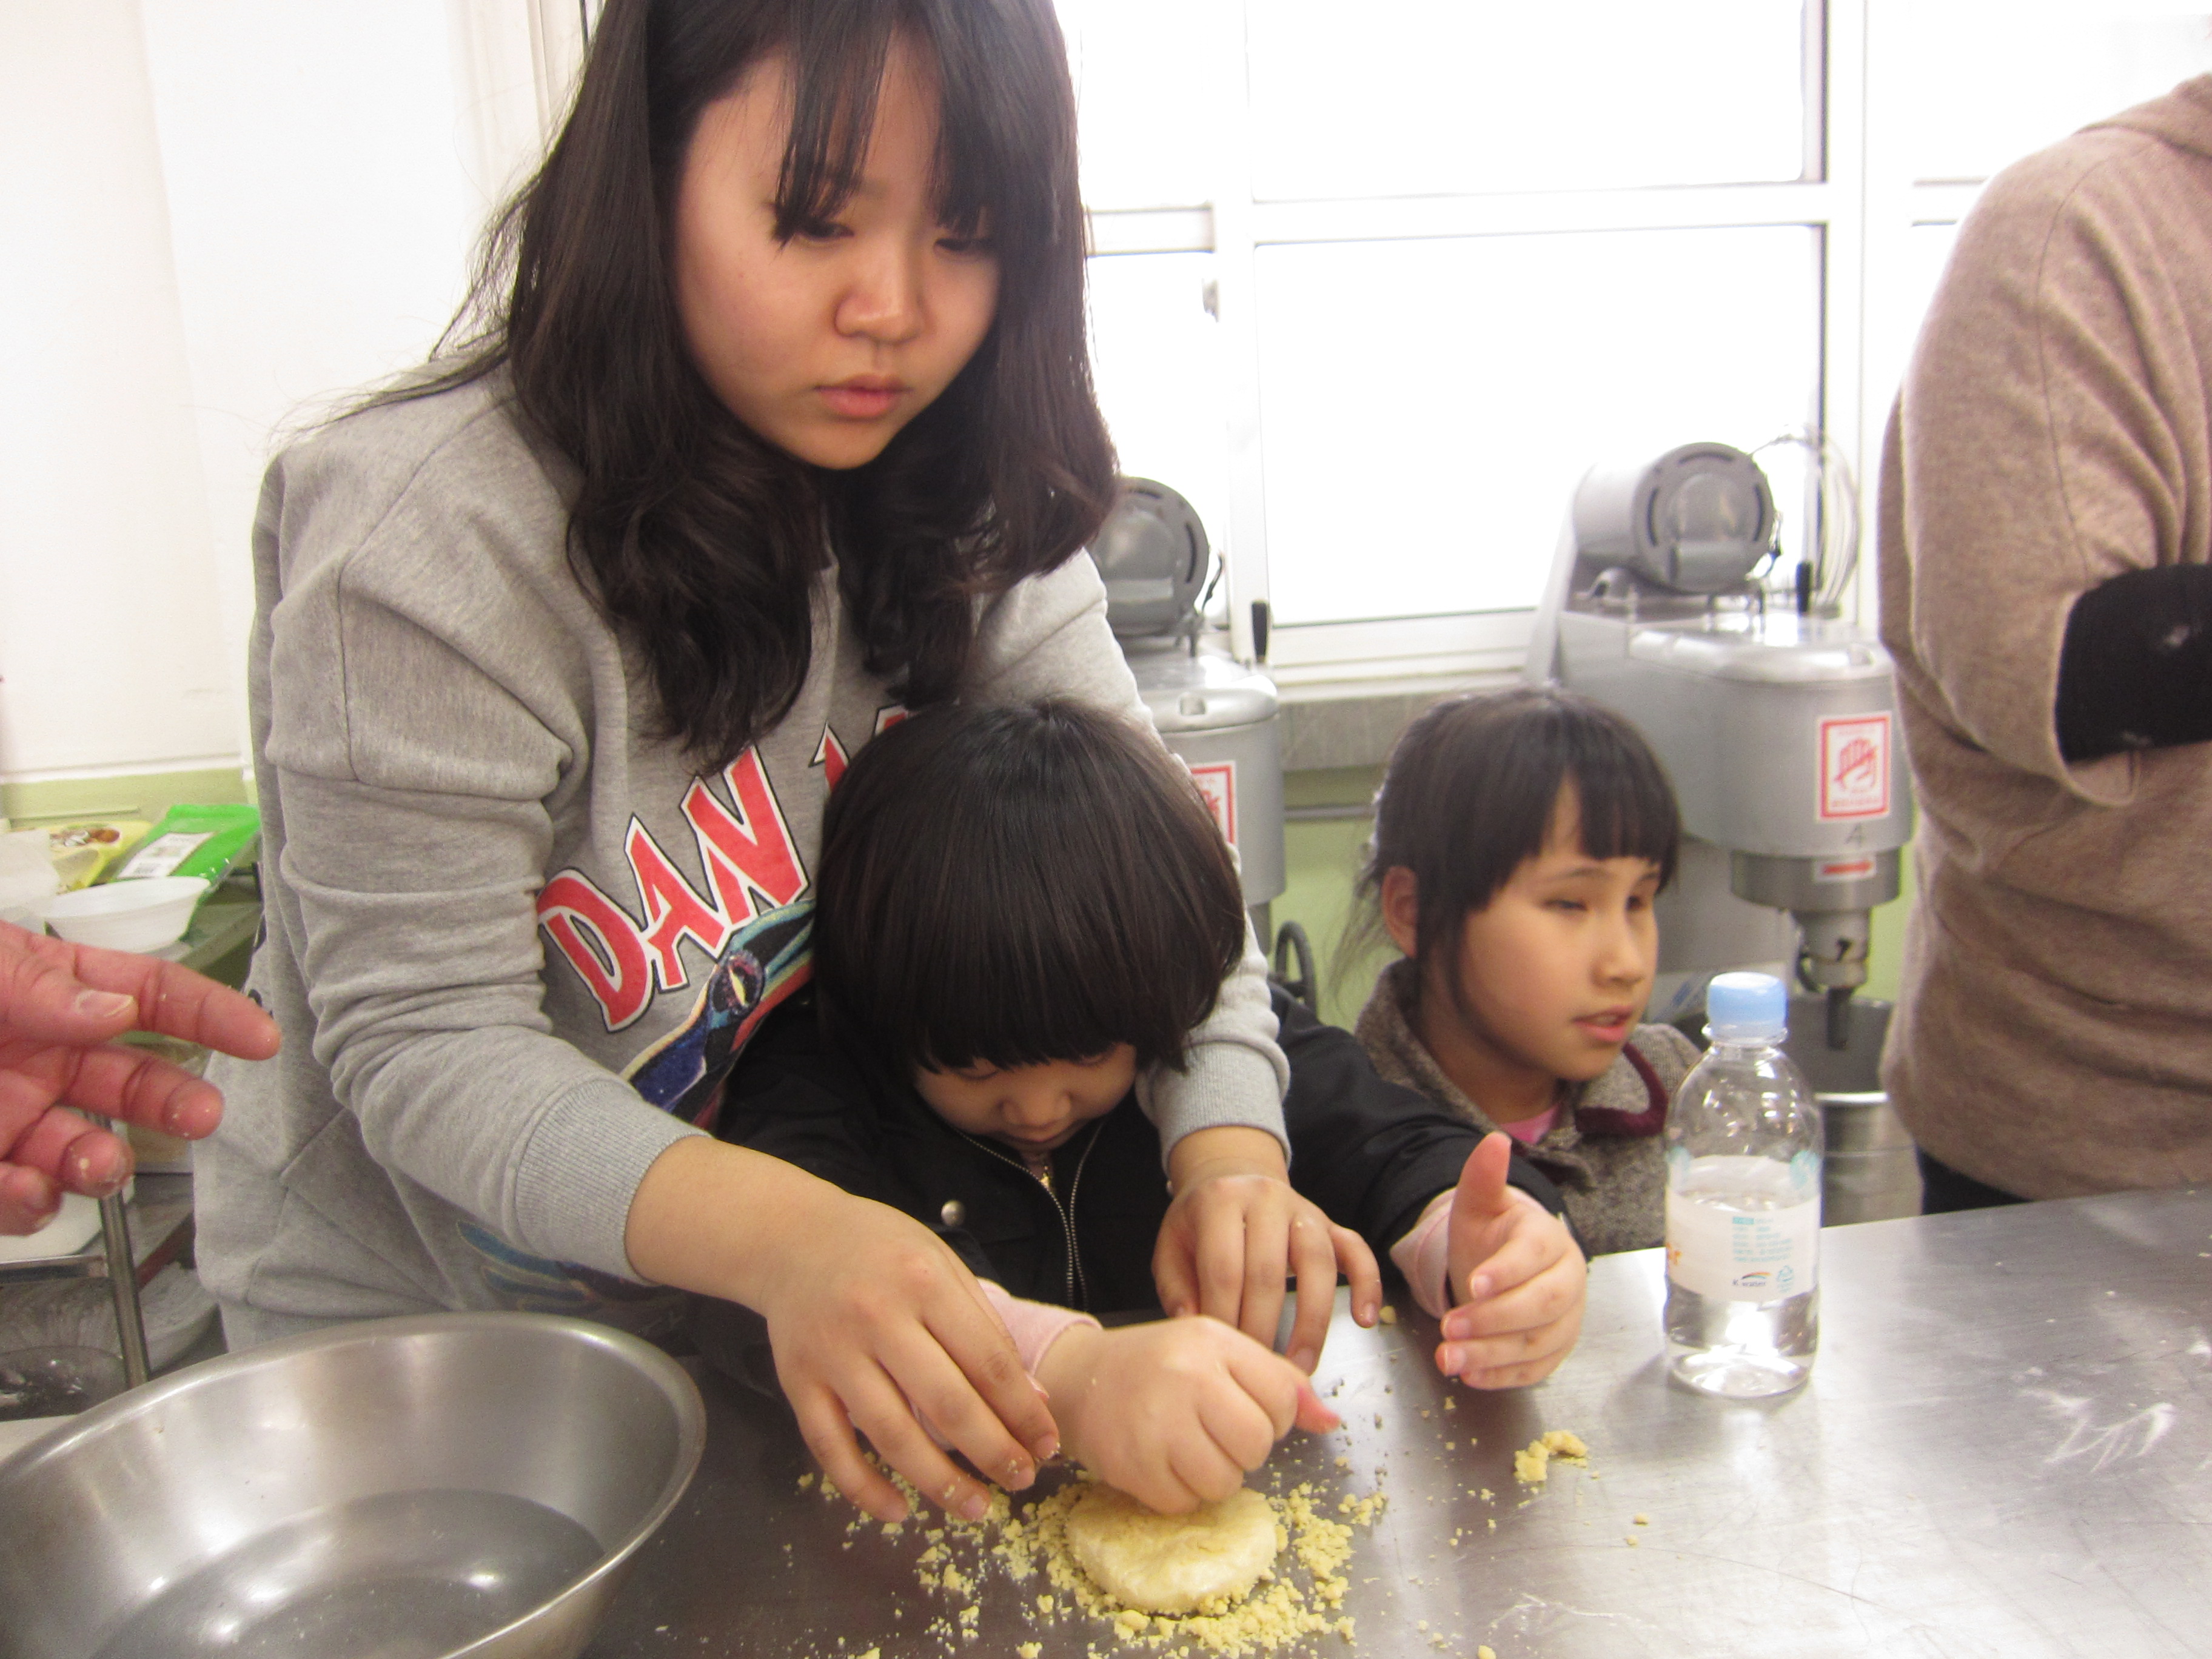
160,1218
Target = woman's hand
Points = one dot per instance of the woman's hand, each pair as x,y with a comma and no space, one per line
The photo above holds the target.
1236,1231
1174,1412
61,1006
873,1319
1520,1276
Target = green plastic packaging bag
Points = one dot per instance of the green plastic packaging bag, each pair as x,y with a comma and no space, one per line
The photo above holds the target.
208,841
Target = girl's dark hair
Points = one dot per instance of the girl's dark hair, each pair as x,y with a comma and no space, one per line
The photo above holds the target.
1011,886
702,540
1471,788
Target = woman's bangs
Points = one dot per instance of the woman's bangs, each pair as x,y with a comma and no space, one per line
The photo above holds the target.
1001,126
996,117
836,76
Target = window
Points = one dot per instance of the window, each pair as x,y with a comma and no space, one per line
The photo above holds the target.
1374,285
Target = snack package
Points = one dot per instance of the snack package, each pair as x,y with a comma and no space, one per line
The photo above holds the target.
208,841
82,852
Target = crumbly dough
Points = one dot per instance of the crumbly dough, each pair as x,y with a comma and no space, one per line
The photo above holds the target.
1529,1467
1173,1564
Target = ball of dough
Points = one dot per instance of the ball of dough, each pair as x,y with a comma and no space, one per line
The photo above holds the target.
1173,1563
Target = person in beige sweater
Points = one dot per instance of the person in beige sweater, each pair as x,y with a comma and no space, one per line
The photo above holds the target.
2046,521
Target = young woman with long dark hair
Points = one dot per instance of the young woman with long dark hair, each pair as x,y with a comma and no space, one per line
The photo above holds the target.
770,418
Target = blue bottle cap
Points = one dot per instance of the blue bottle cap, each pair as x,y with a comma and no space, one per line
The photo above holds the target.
1747,1008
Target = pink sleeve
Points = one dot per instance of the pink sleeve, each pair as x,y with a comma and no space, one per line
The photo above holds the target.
1424,1255
1035,1326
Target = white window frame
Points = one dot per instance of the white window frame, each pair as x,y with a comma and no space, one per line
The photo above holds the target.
1859,200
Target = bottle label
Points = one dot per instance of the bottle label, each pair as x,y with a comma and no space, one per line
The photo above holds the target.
1734,1253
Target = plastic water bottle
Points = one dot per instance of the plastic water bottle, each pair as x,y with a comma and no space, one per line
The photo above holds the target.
1743,1203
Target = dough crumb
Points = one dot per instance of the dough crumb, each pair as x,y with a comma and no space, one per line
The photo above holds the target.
1641,1519
1030,1649
1633,1540
805,1482
1486,1652
1529,1465
1389,1315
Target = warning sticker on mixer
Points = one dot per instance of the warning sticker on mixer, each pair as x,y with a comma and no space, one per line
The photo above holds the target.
1858,867
1216,781
1855,767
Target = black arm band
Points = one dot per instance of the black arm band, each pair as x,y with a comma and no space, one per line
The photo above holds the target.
2136,670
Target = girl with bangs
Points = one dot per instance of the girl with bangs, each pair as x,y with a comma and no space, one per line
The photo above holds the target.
1024,913
1520,839
768,418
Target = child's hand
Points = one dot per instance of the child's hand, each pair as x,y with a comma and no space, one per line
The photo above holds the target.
872,1318
1237,1231
1174,1412
1521,1274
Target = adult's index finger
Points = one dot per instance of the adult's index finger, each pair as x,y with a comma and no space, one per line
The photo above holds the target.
177,1002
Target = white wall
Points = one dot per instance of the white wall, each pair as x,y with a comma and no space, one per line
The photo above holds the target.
109,649
233,210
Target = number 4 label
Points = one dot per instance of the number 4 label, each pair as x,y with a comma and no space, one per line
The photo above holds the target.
1855,767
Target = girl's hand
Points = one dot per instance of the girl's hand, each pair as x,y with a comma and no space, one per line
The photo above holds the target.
1521,1276
873,1319
1236,1231
1174,1413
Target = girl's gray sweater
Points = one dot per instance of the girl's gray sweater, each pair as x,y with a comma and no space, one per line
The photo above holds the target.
512,937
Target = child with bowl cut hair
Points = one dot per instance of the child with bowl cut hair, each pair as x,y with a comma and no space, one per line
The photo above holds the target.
1520,839
1023,912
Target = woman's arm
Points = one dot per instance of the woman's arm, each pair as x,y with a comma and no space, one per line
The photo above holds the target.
1049,637
871,1317
2050,435
435,690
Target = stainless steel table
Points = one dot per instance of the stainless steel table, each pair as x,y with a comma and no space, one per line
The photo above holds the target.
2005,1449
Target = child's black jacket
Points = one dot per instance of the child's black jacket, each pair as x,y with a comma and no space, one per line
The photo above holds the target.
1371,1154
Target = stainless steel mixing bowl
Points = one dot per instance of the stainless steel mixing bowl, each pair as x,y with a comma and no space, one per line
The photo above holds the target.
427,1488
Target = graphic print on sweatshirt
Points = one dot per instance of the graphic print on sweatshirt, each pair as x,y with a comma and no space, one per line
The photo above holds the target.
754,920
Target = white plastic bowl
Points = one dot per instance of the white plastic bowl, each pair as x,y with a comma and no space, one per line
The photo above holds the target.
127,915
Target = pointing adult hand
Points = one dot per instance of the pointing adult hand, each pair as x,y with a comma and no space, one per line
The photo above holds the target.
61,1007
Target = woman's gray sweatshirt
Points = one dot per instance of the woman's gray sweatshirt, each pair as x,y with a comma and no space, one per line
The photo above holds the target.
512,937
